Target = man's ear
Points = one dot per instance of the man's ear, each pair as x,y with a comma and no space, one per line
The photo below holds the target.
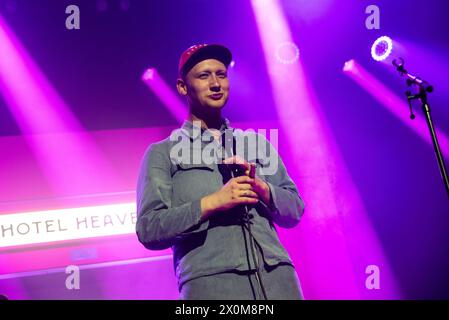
181,86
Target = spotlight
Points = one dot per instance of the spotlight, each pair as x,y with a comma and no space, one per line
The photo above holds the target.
149,74
232,64
381,48
287,52
349,65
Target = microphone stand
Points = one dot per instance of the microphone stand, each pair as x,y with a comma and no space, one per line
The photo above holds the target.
246,219
423,88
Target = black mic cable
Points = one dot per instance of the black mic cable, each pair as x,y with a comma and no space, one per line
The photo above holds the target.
246,219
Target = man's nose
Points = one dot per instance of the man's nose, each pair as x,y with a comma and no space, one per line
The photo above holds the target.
214,84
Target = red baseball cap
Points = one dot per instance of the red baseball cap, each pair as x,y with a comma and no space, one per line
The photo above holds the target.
200,52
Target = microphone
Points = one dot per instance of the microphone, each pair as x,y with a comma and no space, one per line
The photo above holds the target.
411,79
229,149
234,170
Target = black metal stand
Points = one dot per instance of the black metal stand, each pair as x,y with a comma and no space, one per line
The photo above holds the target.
234,170
423,89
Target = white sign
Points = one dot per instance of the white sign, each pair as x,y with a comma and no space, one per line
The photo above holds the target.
67,224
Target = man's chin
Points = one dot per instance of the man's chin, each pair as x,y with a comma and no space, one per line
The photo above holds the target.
216,104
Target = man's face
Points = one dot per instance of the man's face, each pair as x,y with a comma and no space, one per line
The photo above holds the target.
206,85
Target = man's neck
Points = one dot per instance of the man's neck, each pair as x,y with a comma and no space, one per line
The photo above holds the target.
208,121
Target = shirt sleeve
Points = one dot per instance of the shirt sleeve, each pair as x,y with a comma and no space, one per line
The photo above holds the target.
159,225
286,207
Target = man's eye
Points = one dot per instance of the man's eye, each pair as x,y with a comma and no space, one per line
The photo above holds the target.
203,76
222,75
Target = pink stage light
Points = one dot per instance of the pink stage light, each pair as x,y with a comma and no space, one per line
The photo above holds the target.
334,243
165,93
396,105
71,162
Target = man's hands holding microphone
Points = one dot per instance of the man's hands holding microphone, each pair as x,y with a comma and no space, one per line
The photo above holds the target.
243,190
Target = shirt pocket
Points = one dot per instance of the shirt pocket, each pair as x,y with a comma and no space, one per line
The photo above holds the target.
193,182
266,167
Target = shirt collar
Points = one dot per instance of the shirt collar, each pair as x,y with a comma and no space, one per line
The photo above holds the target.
194,131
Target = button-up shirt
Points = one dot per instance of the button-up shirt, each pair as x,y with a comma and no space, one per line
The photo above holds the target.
171,185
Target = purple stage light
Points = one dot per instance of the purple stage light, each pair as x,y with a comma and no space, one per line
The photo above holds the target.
165,93
393,103
381,48
306,10
148,75
60,144
335,232
349,65
287,52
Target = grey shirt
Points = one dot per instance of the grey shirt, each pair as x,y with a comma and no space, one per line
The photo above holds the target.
169,191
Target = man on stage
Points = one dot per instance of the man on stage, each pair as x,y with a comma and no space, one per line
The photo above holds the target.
217,216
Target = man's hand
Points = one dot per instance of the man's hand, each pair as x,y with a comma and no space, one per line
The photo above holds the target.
237,191
258,185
